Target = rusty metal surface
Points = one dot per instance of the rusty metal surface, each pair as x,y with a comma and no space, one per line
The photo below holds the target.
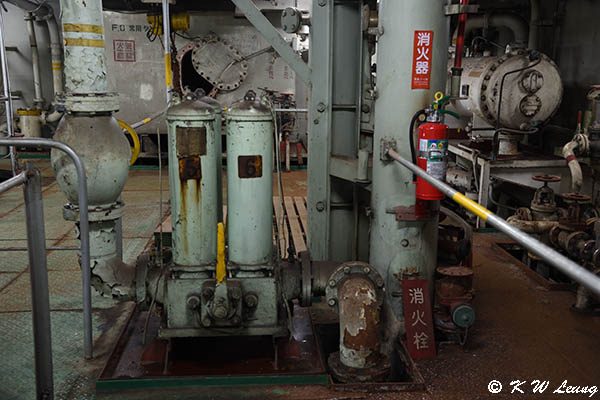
360,323
213,356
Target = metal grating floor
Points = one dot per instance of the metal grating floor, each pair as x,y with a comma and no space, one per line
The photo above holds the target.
73,378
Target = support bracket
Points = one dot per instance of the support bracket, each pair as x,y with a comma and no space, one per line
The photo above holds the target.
274,38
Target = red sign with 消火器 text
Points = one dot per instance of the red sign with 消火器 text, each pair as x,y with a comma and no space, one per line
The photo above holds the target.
421,70
418,318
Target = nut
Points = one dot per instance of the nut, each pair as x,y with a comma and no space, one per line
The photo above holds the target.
331,302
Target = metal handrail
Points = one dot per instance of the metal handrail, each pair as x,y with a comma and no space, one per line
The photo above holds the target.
560,262
84,229
38,276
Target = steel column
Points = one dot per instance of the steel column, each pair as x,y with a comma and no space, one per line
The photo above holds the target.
40,298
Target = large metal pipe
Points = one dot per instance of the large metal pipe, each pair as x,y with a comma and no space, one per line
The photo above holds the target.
38,272
38,97
360,329
84,230
576,272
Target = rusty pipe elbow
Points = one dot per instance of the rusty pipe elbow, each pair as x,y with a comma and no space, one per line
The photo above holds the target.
356,289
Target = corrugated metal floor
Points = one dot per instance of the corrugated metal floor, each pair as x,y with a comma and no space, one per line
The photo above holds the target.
523,332
73,378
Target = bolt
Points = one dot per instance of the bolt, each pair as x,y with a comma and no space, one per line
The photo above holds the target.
235,293
285,28
321,107
332,283
379,283
236,320
251,300
483,98
365,108
366,270
208,292
206,321
346,270
322,3
320,206
293,27
331,302
219,311
316,122
292,12
404,243
193,302
284,13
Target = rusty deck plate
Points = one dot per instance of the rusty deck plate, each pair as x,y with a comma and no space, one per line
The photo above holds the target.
548,284
237,361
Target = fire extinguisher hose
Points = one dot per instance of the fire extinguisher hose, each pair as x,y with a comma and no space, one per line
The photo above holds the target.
411,135
546,253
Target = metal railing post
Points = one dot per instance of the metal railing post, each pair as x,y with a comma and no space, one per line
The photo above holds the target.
84,228
40,298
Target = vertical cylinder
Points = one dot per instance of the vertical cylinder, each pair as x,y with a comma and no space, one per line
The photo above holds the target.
193,182
400,249
249,125
40,298
83,33
219,151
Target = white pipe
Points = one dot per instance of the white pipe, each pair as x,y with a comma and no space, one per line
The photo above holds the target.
38,98
568,152
167,39
514,23
56,52
534,21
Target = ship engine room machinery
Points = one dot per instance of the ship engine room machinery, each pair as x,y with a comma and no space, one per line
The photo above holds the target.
467,114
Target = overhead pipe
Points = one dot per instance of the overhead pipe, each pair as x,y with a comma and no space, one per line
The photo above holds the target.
576,272
534,21
517,25
458,54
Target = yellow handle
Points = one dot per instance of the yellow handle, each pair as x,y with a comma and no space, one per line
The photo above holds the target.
221,272
135,150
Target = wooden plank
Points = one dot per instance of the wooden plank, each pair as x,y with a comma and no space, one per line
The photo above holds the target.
300,205
297,234
166,226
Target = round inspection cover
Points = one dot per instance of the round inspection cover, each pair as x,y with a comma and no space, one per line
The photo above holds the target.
221,64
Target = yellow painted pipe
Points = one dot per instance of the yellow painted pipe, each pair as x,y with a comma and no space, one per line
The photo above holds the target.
221,272
135,150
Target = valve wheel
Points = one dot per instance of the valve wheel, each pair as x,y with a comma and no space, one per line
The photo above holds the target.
576,197
546,178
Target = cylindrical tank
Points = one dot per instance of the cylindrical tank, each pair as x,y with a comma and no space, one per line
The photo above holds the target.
218,132
532,95
193,182
249,125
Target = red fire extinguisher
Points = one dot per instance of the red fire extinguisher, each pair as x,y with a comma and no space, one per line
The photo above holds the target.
432,155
